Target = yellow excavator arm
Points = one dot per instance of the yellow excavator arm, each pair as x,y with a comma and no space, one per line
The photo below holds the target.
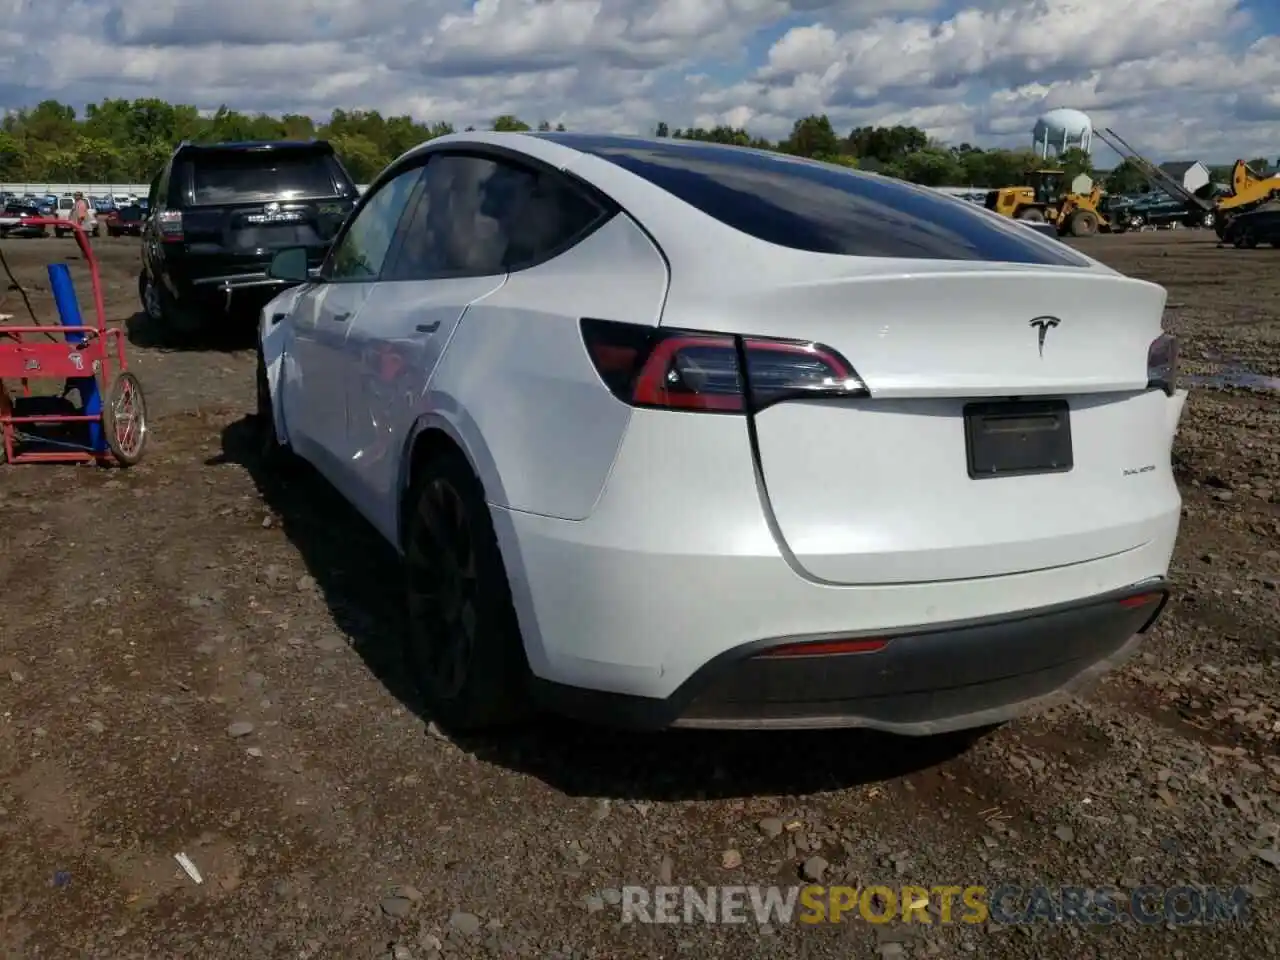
1248,188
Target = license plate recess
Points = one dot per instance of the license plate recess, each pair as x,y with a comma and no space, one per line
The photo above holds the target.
1013,438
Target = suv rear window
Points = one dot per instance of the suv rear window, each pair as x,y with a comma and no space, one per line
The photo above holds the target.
820,208
250,177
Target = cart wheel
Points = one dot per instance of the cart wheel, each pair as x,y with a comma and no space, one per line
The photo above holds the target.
6,410
124,419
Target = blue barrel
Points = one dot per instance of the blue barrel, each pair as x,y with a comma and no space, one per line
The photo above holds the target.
64,296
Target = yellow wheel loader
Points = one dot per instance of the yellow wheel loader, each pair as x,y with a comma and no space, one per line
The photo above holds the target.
1044,200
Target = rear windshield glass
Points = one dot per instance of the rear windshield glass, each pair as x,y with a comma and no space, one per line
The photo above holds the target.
822,208
251,177
130,213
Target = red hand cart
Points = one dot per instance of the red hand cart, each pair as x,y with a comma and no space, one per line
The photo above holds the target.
74,354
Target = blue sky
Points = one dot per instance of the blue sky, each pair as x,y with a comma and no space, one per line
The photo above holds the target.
1195,79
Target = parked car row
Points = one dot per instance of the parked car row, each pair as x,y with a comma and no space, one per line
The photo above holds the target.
53,201
118,221
23,208
672,433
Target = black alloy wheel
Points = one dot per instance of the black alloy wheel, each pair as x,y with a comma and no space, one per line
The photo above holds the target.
464,644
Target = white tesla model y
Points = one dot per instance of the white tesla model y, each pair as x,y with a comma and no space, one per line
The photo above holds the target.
672,433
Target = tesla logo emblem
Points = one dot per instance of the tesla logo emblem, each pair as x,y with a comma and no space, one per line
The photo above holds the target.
1043,325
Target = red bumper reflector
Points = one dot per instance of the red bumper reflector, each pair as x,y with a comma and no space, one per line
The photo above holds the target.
1141,600
826,648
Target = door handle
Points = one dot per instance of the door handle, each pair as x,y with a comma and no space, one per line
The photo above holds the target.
428,327
341,317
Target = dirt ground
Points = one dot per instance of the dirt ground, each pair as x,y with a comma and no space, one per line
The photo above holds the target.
195,659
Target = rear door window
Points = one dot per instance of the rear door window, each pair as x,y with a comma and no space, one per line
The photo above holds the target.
479,216
220,178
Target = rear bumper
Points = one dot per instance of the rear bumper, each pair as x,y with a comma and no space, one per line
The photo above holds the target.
653,610
212,278
254,280
924,682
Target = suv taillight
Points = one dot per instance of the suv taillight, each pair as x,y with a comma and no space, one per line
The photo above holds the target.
170,224
1162,363
694,371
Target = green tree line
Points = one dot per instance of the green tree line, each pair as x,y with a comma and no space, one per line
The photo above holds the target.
123,141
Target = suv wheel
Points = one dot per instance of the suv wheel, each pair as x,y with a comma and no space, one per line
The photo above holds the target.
149,296
161,306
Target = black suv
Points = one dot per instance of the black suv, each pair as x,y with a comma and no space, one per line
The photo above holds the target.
1247,230
217,213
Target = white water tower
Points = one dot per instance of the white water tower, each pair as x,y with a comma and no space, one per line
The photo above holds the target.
1060,130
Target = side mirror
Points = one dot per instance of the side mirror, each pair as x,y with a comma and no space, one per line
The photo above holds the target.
290,265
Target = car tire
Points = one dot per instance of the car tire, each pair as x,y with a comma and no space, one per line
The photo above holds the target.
160,306
273,454
6,410
463,644
149,297
183,320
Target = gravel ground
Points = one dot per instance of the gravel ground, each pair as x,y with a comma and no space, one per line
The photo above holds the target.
195,660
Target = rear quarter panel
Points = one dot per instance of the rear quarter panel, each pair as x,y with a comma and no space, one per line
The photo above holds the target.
517,389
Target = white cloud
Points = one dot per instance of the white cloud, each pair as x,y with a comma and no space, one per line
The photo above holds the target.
1193,79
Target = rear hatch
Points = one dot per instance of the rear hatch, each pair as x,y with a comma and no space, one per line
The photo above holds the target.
244,205
130,217
918,482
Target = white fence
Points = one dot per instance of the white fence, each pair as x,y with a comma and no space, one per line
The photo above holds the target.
88,189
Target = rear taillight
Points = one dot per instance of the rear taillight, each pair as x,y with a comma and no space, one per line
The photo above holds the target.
169,223
1162,363
688,370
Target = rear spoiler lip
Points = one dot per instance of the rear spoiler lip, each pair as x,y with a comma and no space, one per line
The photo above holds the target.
302,146
203,207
